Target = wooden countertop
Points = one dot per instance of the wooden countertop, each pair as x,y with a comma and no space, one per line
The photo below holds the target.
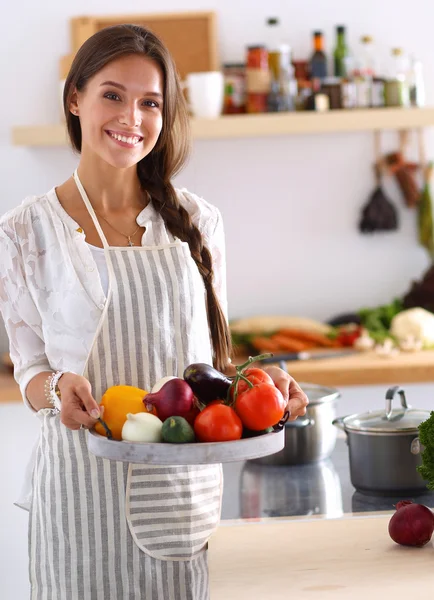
334,559
364,368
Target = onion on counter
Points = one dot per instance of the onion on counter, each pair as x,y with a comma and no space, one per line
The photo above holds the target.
412,524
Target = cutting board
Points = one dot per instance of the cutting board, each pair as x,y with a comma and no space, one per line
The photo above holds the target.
364,368
343,559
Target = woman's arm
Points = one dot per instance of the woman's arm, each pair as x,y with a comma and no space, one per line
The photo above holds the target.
23,325
35,391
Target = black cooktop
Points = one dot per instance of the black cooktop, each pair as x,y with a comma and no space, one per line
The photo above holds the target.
324,488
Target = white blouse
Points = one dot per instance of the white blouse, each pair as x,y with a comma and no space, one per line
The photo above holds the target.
53,284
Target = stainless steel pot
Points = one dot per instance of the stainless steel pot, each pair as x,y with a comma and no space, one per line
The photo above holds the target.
313,437
384,448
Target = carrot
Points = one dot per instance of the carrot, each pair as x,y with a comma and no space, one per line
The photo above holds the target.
290,344
264,344
318,339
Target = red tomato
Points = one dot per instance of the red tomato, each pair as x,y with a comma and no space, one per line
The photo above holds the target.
348,334
260,407
218,423
190,417
255,376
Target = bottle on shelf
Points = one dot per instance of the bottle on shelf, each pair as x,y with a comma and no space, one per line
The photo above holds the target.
318,61
287,81
317,100
274,59
364,73
340,53
370,71
331,86
257,79
235,88
396,89
416,83
283,85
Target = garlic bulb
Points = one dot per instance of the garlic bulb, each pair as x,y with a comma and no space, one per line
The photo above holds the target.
142,427
387,349
364,342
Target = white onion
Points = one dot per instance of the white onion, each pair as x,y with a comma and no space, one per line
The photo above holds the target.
157,387
142,427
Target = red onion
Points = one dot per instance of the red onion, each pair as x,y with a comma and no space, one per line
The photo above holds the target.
174,399
412,524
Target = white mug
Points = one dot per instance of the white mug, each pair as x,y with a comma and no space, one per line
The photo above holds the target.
205,94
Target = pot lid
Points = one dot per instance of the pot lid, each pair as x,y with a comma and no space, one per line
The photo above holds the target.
389,420
318,394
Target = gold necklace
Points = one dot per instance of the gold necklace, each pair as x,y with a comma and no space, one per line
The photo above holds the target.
130,242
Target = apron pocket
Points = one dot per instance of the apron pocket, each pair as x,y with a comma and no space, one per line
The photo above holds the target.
172,511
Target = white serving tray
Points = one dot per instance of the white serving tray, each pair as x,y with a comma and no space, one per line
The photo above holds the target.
197,453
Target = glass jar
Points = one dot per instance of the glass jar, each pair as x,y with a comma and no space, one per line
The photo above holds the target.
235,88
257,79
331,86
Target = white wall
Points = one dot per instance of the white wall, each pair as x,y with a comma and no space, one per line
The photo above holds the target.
290,204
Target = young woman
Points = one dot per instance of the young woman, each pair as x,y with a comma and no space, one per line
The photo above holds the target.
116,277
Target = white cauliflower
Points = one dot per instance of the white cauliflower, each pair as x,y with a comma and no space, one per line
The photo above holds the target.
416,324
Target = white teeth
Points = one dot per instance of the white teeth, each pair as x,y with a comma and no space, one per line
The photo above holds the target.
123,138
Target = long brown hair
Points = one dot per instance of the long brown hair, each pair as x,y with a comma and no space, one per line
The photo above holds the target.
156,170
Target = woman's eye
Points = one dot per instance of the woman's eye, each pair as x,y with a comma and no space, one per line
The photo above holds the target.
111,96
151,103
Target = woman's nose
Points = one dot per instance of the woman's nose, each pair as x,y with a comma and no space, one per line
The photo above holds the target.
130,115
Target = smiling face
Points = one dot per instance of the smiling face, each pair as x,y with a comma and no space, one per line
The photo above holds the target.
121,111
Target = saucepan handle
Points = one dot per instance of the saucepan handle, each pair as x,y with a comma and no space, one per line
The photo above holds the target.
390,395
415,447
301,422
339,423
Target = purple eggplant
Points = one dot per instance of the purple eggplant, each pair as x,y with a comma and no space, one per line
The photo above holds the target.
207,383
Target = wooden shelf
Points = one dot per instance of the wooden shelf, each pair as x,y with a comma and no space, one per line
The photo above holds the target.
241,126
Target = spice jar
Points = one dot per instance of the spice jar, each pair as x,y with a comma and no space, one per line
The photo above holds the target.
331,86
257,79
235,88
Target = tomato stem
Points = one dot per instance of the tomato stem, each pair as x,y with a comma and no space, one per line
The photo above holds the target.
239,375
253,359
244,378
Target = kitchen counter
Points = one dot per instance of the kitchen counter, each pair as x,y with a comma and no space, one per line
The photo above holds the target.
364,368
317,490
307,560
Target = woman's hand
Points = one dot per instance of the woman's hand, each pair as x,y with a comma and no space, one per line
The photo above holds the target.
291,391
79,408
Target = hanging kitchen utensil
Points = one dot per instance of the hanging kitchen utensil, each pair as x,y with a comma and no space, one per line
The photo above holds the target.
379,214
404,172
425,208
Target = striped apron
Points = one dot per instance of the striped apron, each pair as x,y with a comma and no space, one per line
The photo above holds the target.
106,530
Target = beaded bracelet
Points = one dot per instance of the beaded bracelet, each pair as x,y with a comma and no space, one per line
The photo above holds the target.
52,392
